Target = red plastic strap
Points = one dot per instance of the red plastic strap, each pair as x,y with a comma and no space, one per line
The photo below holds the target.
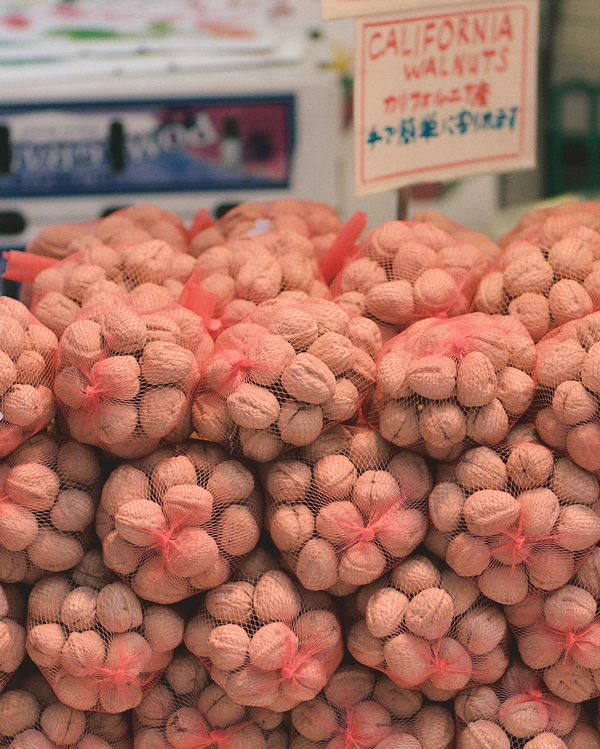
24,266
197,299
202,220
331,262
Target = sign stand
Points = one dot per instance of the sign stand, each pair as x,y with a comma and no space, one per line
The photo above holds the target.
402,205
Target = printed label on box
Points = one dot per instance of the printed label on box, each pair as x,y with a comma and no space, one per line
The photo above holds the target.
120,147
445,94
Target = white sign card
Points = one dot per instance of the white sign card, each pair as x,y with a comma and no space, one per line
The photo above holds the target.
347,8
442,94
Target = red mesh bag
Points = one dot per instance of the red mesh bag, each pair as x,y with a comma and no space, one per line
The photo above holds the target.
210,516
530,224
566,399
520,712
27,351
516,519
12,632
487,246
428,629
49,490
404,271
547,281
444,385
62,290
290,371
126,373
31,717
186,710
362,708
266,640
343,515
254,269
558,634
316,221
99,646
133,224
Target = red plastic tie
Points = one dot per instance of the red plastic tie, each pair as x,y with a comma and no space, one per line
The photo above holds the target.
332,260
24,266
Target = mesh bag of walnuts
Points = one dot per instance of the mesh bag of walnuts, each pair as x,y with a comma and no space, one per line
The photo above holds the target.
61,291
487,246
99,646
133,224
49,490
31,717
519,711
250,270
343,514
553,218
179,521
27,351
517,519
126,373
12,631
283,376
404,271
567,414
444,385
362,708
187,710
266,640
546,281
558,634
315,221
428,629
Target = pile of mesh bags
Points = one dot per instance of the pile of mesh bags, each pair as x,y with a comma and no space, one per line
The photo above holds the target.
266,487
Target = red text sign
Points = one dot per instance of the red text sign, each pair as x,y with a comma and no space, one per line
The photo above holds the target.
445,94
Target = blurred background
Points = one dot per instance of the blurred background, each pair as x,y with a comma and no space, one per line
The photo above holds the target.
205,103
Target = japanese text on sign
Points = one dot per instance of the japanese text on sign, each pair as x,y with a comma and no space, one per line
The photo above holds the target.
445,94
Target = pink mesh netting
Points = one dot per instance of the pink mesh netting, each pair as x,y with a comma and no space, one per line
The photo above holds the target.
12,632
529,225
517,519
61,291
187,710
343,514
290,371
179,521
49,490
99,646
558,634
133,224
565,406
27,352
266,640
127,370
362,709
253,269
443,385
519,711
315,221
547,280
32,717
484,244
405,271
428,629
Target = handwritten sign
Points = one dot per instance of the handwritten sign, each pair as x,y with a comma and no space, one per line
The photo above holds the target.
444,94
346,8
